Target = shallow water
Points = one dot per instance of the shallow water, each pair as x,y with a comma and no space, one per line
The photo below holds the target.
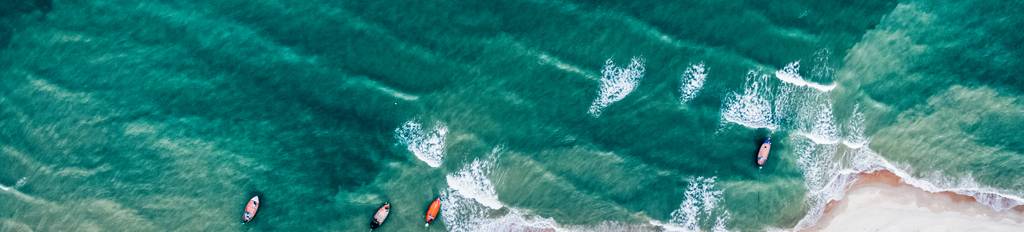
522,115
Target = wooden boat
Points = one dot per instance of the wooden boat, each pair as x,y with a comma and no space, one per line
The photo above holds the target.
250,209
432,211
380,216
762,154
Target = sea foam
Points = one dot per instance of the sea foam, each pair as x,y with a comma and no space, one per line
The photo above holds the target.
692,82
791,74
472,182
829,172
616,83
854,130
815,120
427,145
752,107
471,203
700,204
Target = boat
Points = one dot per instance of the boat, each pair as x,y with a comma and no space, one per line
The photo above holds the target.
380,216
432,211
250,209
762,154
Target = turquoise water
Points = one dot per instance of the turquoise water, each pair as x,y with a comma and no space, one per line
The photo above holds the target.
522,115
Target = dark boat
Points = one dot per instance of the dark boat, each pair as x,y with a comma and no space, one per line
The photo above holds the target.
762,154
250,209
432,211
380,216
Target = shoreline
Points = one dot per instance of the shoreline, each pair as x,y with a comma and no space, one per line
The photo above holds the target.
876,199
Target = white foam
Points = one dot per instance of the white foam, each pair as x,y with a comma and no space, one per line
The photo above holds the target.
752,107
791,74
20,195
854,136
471,203
700,204
822,68
692,82
863,160
824,177
427,146
616,83
815,120
827,167
991,197
720,222
472,182
786,102
21,182
818,139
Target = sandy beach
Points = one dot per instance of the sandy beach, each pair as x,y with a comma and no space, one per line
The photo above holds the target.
879,201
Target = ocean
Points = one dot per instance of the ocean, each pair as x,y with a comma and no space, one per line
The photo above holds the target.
522,115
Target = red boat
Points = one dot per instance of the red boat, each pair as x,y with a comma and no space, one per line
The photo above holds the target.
432,211
762,154
250,209
380,216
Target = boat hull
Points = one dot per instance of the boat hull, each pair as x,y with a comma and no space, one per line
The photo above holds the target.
380,216
762,153
250,209
432,211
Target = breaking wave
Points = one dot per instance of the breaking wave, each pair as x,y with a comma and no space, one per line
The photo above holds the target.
791,74
427,146
751,108
471,203
472,182
831,157
19,194
854,137
617,83
830,169
692,82
816,122
700,206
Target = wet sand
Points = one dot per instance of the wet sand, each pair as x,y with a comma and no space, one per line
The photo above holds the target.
879,201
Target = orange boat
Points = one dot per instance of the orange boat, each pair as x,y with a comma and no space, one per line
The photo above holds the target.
762,154
250,209
432,211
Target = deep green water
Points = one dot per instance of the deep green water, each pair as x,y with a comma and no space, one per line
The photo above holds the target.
523,115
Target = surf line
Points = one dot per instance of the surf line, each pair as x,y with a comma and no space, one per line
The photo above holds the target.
791,74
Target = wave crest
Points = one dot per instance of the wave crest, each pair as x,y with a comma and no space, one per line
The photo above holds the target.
616,83
427,146
692,82
700,205
751,108
791,74
471,203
